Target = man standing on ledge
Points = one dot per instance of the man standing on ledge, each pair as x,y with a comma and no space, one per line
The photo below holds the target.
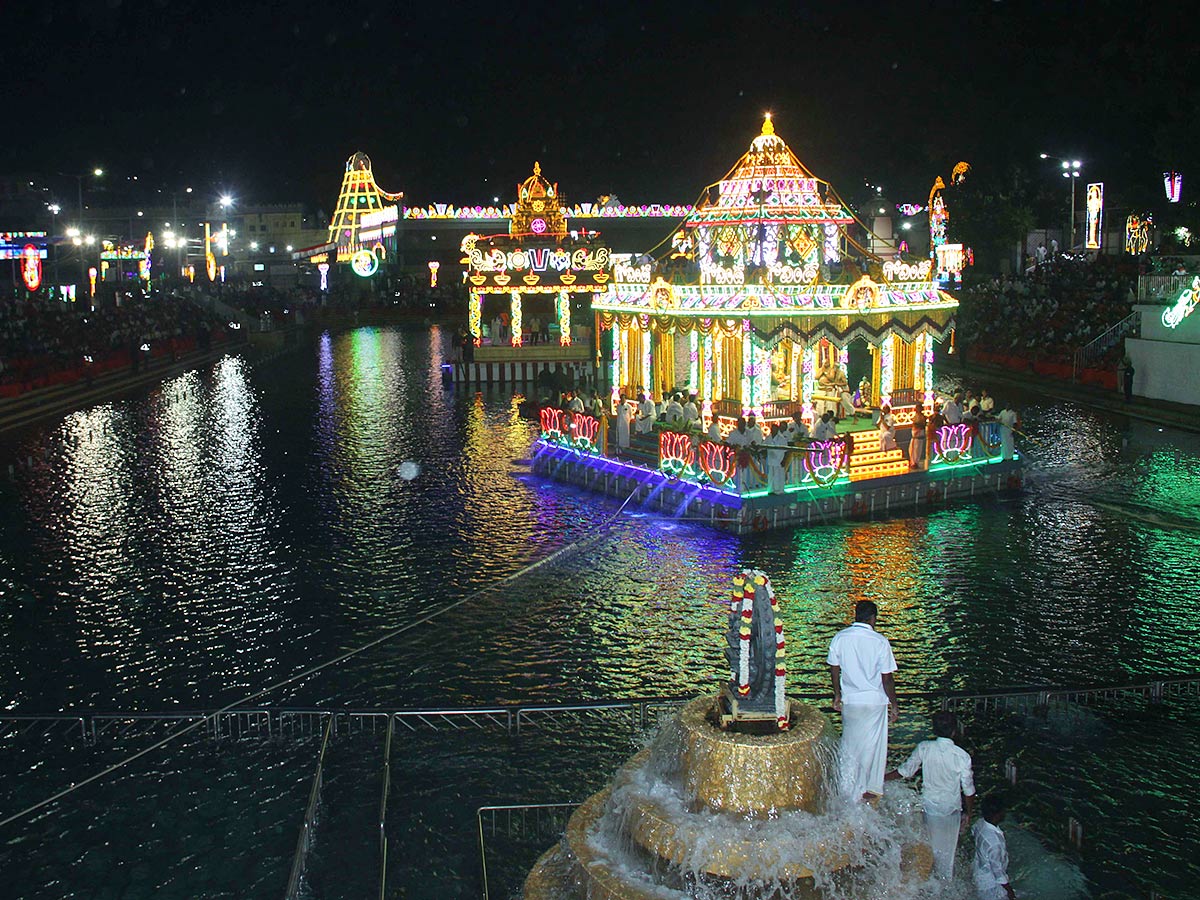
864,692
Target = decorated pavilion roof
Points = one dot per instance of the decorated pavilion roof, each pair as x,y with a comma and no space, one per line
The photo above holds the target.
769,183
772,241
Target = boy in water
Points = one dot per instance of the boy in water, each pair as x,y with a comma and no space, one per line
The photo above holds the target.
946,780
990,869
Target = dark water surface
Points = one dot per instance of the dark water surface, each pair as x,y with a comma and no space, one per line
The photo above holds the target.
241,523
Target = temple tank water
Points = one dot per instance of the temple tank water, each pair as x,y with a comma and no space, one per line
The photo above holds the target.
185,547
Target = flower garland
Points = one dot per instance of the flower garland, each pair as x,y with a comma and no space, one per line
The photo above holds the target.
743,675
781,707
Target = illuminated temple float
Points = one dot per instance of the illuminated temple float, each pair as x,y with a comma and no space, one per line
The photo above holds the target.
764,302
531,272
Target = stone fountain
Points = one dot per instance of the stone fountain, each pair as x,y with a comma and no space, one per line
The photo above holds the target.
734,798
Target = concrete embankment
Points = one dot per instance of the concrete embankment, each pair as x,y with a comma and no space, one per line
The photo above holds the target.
1161,412
56,400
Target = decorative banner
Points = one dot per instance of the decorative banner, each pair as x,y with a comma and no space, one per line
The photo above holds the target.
323,268
434,265
1183,306
910,209
1173,184
1095,216
364,263
31,267
191,274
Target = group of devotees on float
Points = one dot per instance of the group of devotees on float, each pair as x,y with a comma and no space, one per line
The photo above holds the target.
681,412
862,669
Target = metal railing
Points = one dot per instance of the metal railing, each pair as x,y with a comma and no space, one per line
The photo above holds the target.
1104,342
1161,288
1034,698
524,820
304,841
637,712
383,802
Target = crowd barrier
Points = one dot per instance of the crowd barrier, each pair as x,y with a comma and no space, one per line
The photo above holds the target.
26,374
1104,378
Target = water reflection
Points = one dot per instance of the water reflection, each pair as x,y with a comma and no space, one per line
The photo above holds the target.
238,523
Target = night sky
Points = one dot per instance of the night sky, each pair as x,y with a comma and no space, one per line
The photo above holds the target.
454,102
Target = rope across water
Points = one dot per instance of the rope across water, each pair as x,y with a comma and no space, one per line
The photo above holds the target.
312,670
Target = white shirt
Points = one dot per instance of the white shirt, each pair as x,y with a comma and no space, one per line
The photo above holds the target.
714,431
576,405
673,412
645,416
987,404
990,868
690,412
1008,417
864,656
952,412
946,775
738,438
797,431
825,430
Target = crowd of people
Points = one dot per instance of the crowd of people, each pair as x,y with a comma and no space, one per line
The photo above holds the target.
40,337
763,450
44,340
1049,312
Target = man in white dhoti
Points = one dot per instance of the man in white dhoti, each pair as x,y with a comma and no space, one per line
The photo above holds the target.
776,471
673,411
946,779
714,431
990,868
624,414
691,413
861,667
1008,421
887,429
646,414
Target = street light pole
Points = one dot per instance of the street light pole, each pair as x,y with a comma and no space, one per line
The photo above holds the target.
1071,171
97,172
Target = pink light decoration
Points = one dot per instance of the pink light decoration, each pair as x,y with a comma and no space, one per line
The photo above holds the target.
1173,184
718,462
552,422
586,427
824,460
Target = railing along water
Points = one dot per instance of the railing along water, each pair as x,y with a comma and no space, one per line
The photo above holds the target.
1104,342
304,841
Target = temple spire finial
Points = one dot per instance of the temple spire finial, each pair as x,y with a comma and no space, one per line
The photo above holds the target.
537,168
768,127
